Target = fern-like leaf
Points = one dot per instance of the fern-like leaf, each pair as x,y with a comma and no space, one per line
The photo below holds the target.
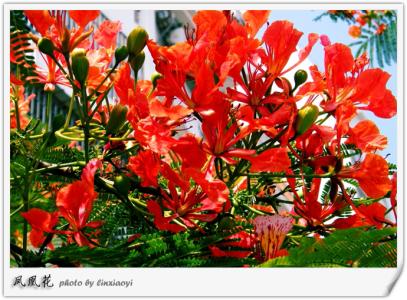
356,247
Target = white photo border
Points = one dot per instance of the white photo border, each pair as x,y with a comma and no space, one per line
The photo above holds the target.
207,281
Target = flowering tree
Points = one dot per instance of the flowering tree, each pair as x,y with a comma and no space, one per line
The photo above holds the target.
219,160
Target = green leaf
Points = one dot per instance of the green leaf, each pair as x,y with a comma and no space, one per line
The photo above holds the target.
355,247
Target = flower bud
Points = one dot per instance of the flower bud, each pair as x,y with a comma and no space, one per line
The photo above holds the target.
117,119
154,78
46,46
305,118
300,77
80,65
122,184
136,62
137,40
121,54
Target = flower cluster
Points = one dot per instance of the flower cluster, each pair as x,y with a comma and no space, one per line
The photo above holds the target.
363,19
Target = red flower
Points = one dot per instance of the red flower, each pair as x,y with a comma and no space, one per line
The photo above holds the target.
83,17
23,104
146,165
220,138
372,175
271,232
173,63
312,142
371,215
393,194
41,221
52,25
272,160
50,77
254,20
242,243
106,34
190,152
200,203
381,28
355,31
311,209
210,24
99,63
154,135
75,202
281,39
40,19
152,128
366,136
348,82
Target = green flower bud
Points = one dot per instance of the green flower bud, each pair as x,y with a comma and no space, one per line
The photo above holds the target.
300,77
136,41
136,62
305,118
121,54
117,118
154,78
80,65
122,184
46,46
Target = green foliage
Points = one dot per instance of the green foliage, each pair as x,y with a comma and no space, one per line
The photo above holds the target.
159,249
20,43
356,247
62,154
382,48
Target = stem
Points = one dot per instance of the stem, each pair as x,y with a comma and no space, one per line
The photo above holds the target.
16,102
217,168
282,175
17,115
55,166
69,115
26,195
48,111
294,152
244,77
86,120
348,199
99,103
271,141
70,76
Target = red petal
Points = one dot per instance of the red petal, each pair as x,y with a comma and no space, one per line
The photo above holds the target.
161,222
106,34
338,61
83,17
75,201
40,19
366,136
36,238
40,219
372,175
217,252
146,165
272,160
210,24
281,38
254,20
